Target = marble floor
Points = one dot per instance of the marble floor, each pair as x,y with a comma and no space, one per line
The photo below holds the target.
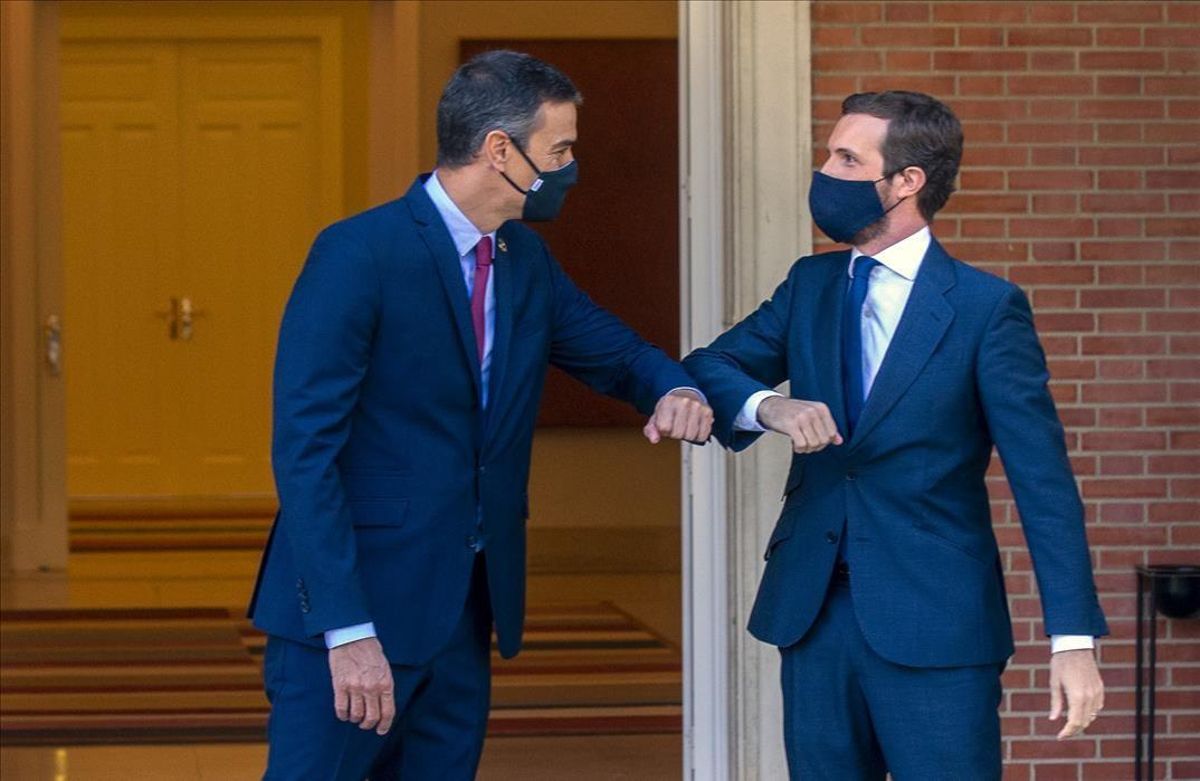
224,578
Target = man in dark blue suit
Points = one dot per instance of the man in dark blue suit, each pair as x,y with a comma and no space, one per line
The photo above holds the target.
410,367
884,587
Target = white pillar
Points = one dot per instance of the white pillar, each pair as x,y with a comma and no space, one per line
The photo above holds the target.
746,159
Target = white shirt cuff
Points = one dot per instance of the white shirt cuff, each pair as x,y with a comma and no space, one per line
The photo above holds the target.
1060,643
747,419
349,634
697,391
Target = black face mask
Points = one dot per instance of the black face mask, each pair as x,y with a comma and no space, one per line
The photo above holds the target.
842,208
544,198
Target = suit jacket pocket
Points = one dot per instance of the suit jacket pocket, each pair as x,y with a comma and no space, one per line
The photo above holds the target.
970,550
378,511
783,530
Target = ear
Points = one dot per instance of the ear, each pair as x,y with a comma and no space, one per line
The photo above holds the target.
911,180
496,145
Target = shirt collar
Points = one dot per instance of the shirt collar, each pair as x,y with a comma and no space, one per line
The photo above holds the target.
904,257
462,231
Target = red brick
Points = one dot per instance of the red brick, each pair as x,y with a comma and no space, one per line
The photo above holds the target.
1044,156
1039,274
1050,36
1174,274
1055,250
846,12
1121,155
1119,85
1183,60
828,37
1174,465
988,156
1183,109
1118,133
1130,298
1183,11
1121,109
978,12
908,37
1055,299
989,86
1122,250
979,60
1042,60
968,109
1117,369
1051,12
933,85
1050,133
1123,465
1119,12
1172,85
1051,85
1125,37
1123,393
1080,748
1173,416
1124,203
1121,322
907,61
1169,132
980,36
1033,227
1173,226
1123,179
1124,440
842,61
1122,61
1118,226
1173,36
1173,321
1120,275
906,12
1056,203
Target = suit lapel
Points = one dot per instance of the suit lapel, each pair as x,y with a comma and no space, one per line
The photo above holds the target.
503,286
445,257
926,318
827,341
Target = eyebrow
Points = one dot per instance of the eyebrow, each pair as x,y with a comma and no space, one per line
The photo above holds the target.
566,142
841,150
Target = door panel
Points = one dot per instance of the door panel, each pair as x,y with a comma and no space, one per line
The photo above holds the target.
249,129
119,136
193,172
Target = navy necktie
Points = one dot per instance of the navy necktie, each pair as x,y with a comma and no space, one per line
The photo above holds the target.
852,353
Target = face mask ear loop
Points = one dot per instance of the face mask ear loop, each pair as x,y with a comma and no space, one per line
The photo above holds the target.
897,203
521,152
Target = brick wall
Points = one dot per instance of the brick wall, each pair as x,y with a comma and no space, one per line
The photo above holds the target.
1081,183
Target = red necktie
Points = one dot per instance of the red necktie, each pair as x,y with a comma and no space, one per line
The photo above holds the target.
483,265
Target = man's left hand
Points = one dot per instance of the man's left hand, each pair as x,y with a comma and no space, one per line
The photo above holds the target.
681,414
1075,678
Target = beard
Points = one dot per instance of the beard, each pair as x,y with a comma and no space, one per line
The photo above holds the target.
872,231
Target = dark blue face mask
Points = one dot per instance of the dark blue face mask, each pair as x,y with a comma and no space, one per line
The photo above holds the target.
544,198
842,208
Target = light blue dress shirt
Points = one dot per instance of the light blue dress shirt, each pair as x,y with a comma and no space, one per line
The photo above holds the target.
891,285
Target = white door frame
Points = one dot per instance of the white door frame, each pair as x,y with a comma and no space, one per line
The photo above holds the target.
745,152
706,612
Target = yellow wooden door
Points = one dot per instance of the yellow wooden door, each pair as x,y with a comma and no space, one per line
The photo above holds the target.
195,175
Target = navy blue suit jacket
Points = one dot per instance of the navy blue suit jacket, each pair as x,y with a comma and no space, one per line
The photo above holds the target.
381,450
964,371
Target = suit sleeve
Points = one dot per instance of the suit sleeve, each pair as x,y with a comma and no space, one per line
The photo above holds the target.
324,347
596,348
1021,417
746,359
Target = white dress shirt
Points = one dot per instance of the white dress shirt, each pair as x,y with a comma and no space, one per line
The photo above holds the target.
891,284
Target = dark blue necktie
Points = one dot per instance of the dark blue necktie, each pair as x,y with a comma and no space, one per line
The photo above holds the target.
852,353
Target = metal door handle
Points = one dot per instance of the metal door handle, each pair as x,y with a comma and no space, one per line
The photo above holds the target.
181,318
53,335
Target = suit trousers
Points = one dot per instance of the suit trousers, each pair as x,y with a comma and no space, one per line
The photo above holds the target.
850,714
441,709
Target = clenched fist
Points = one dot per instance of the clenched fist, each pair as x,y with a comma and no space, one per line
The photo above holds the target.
809,424
681,414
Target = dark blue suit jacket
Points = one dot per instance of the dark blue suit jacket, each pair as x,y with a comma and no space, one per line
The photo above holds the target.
382,453
964,371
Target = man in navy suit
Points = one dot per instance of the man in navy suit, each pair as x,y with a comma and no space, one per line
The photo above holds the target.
410,367
884,587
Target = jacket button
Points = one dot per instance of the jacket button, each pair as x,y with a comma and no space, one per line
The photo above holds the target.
852,475
472,541
831,537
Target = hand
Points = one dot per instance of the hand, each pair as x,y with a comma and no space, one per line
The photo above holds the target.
1074,675
809,423
681,414
362,685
